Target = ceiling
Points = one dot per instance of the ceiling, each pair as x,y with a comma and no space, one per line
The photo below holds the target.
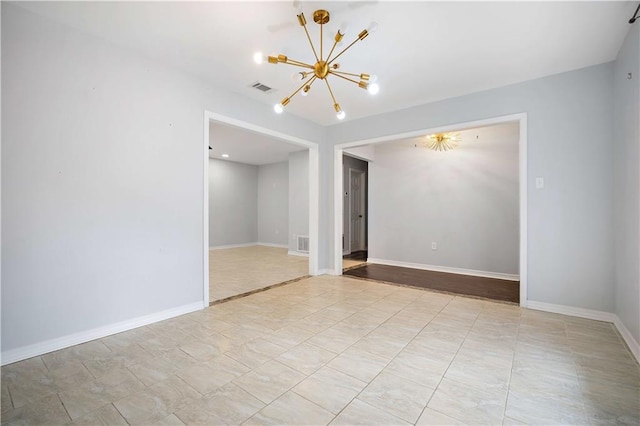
244,146
422,51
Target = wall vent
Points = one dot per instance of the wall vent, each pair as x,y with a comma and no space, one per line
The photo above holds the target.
261,87
303,243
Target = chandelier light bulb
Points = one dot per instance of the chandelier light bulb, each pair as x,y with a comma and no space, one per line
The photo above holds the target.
341,114
373,88
373,78
258,58
373,27
297,5
278,108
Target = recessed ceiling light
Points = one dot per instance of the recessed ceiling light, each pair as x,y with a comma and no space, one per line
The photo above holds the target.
225,155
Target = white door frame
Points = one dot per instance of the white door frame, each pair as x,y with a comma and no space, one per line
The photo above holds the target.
314,192
361,172
521,118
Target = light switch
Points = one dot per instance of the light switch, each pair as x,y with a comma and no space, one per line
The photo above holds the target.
539,183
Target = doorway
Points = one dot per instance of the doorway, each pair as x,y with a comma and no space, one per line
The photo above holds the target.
311,190
357,210
521,218
355,214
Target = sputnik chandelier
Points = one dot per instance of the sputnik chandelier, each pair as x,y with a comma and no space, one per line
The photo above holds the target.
442,141
324,66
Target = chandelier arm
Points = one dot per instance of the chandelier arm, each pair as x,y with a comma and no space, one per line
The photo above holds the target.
300,88
329,62
301,65
335,43
312,80
330,92
297,63
344,73
310,42
346,78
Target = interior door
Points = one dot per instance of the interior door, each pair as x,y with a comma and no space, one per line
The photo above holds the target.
357,193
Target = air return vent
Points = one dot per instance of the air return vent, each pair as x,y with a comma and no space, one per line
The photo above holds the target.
261,87
303,243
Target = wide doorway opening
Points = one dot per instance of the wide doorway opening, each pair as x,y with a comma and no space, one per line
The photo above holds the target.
451,220
259,192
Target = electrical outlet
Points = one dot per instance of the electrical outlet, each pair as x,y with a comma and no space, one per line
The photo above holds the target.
434,246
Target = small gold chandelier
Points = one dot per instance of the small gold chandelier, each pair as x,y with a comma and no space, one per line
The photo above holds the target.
442,141
324,66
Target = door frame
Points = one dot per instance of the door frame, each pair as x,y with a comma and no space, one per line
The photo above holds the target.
521,118
314,193
363,201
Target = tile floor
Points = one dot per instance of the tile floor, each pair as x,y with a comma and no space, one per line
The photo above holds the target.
244,269
341,351
351,263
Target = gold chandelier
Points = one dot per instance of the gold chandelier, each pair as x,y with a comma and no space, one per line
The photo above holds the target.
324,66
442,141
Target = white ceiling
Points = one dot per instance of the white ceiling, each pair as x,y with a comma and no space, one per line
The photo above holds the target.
243,146
423,51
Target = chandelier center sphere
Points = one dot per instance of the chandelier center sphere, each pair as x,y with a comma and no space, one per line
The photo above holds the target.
321,69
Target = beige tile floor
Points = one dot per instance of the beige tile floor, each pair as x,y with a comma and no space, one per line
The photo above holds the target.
244,269
341,351
350,263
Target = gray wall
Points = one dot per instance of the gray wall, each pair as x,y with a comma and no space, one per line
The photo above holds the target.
465,200
247,203
570,118
233,203
273,203
356,164
102,181
298,196
626,182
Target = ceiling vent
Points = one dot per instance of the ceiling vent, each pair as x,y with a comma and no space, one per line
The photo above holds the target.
261,87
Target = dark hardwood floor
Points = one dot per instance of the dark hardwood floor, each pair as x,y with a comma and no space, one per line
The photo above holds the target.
488,288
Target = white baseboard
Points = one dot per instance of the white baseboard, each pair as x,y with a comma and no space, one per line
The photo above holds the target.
297,253
422,266
326,272
346,252
591,314
572,311
36,349
228,246
273,245
634,346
